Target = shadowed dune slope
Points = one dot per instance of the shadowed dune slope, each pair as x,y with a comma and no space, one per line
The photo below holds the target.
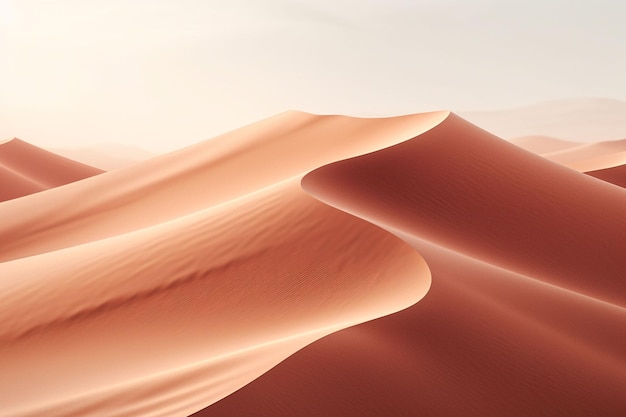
463,188
615,175
486,340
483,342
166,320
180,183
27,169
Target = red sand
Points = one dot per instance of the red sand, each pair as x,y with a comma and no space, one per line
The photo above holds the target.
161,288
485,341
27,169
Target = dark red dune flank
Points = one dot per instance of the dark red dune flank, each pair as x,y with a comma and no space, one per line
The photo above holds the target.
483,342
463,188
615,175
26,169
487,340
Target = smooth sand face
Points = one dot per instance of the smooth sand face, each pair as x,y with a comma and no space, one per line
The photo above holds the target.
221,295
144,281
161,288
504,199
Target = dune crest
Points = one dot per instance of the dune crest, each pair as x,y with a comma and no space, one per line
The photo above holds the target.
461,187
264,276
206,174
198,278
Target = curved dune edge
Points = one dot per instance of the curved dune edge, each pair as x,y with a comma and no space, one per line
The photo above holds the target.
171,249
263,275
503,200
481,333
200,176
26,169
504,343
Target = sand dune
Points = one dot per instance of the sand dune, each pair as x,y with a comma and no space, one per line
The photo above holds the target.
485,340
194,178
27,169
161,288
578,120
592,156
543,144
503,200
188,311
615,175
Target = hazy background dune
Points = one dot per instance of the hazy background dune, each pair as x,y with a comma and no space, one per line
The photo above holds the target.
27,169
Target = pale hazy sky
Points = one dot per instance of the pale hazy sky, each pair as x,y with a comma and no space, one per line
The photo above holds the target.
166,73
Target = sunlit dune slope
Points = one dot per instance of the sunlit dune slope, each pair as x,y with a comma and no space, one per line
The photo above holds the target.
27,169
166,320
194,178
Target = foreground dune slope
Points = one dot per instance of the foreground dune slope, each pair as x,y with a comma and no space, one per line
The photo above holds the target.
483,342
486,340
166,320
194,178
27,169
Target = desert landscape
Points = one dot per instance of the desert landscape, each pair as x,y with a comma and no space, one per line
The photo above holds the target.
258,273
298,208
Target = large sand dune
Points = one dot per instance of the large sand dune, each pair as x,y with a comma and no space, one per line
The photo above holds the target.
161,288
486,340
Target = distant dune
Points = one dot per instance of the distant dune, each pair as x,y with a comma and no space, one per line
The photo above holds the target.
615,175
543,144
256,273
106,157
578,120
27,169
